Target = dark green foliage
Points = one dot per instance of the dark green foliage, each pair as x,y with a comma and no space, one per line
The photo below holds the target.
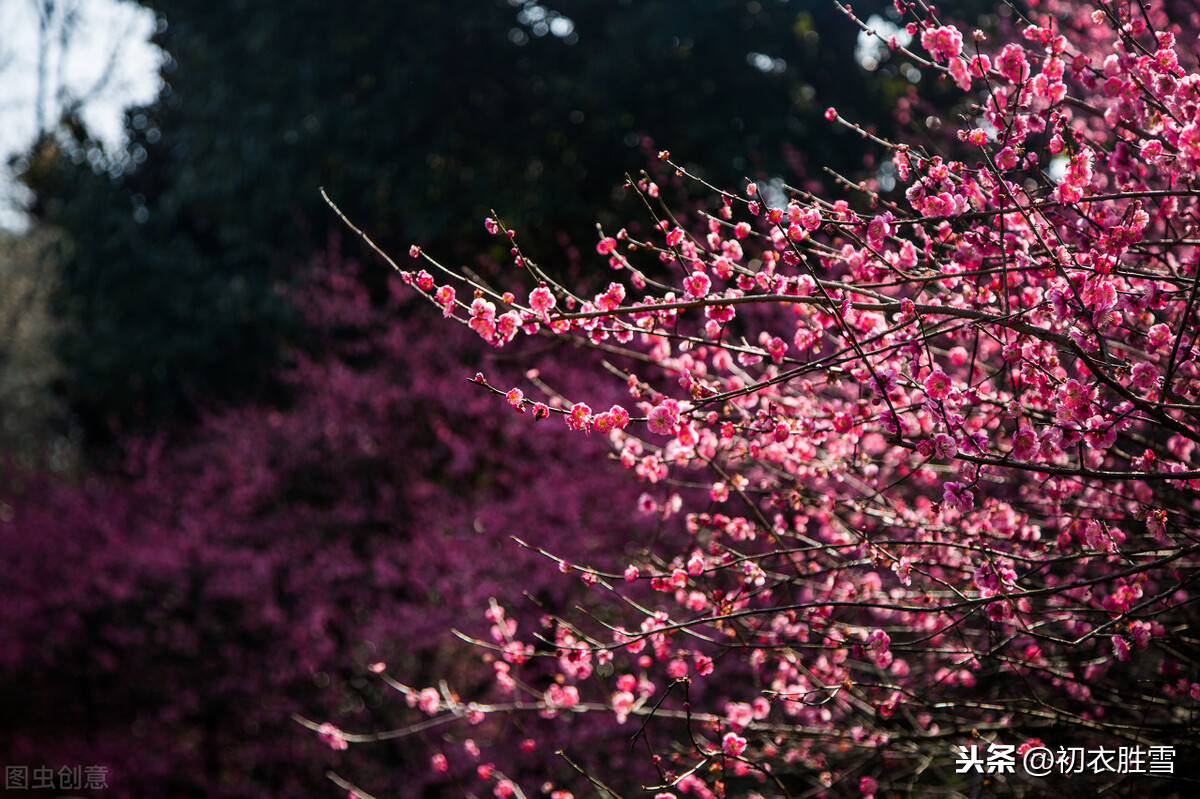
154,313
417,116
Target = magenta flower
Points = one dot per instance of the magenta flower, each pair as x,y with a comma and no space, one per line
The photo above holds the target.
733,744
663,418
937,385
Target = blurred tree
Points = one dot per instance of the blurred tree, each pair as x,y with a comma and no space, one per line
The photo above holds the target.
33,423
68,57
417,116
165,619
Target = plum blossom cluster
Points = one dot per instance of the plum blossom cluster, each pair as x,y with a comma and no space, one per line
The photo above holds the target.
932,455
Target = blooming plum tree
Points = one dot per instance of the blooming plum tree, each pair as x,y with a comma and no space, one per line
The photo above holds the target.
933,453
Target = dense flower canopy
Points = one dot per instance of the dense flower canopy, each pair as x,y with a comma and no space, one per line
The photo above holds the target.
932,453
